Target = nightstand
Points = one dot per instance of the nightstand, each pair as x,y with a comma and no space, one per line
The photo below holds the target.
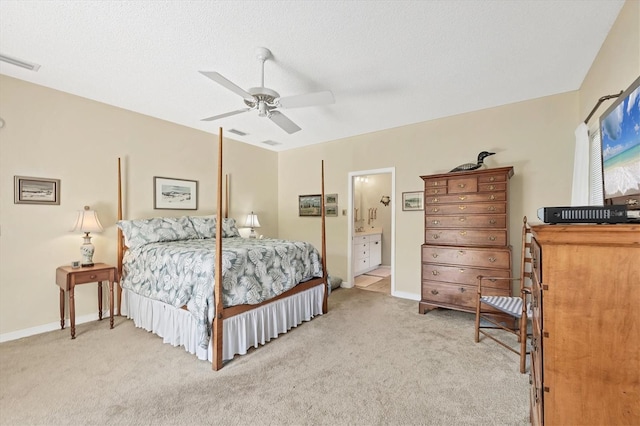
67,278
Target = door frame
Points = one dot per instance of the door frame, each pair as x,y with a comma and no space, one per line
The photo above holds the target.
350,228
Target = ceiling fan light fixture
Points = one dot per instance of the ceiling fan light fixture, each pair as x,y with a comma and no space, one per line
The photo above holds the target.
19,62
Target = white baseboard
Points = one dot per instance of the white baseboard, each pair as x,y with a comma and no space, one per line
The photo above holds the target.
14,335
404,295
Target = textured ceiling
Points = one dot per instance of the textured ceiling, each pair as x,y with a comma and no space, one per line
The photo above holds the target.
388,63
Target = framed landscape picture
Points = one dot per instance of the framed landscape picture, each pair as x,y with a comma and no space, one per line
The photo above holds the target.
175,194
413,200
34,190
309,205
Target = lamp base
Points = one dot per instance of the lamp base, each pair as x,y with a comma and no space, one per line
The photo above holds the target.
253,234
86,250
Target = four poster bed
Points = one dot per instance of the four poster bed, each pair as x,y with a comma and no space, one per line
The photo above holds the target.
196,283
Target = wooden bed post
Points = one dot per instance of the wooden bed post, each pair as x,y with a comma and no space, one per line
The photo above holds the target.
324,247
216,327
120,237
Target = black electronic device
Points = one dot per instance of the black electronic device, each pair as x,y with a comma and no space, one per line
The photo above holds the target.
587,214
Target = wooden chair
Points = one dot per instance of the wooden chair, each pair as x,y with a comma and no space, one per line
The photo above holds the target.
491,311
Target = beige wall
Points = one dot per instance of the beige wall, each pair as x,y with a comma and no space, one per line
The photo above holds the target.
52,134
56,135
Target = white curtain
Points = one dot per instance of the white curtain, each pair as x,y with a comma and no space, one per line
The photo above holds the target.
580,184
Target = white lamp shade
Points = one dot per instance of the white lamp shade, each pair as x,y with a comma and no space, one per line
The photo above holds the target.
252,221
87,221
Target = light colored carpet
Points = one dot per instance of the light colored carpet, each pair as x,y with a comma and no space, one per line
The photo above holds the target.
371,360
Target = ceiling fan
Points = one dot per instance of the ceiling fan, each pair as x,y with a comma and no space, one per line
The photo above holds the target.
267,101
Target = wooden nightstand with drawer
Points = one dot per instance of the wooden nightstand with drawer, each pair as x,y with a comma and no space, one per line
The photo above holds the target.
67,278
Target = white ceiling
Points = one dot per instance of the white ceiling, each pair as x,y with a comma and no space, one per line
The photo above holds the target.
388,63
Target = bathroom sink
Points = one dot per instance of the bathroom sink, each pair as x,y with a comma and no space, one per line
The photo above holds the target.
368,231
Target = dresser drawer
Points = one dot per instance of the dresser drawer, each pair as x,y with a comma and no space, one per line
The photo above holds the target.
472,237
491,187
435,183
361,239
462,185
466,198
487,258
466,221
492,178
455,295
438,190
480,208
362,263
465,275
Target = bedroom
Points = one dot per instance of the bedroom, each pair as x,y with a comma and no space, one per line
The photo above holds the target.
53,134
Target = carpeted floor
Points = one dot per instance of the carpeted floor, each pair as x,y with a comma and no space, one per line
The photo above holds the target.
371,360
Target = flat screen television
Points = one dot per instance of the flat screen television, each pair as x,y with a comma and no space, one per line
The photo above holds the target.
620,137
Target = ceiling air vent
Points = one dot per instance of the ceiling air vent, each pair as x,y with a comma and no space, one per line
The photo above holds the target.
19,62
237,132
272,143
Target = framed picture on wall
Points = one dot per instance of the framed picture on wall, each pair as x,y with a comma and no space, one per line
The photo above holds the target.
35,190
309,205
175,194
331,205
413,200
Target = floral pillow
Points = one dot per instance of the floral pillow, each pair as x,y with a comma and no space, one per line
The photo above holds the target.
229,228
205,226
143,231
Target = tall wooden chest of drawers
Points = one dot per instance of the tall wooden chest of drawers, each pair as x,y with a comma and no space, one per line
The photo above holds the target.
465,234
585,362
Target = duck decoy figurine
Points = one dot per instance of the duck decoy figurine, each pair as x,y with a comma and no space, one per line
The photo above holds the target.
472,166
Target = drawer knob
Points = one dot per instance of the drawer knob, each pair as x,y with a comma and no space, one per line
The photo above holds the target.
492,221
461,270
434,292
435,200
463,219
434,255
492,238
492,259
492,197
435,209
492,187
435,222
463,233
461,252
493,280
491,208
93,277
462,207
462,289
435,272
461,185
435,183
462,197
492,178
435,236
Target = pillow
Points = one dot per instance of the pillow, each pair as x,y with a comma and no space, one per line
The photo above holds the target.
229,228
205,226
143,231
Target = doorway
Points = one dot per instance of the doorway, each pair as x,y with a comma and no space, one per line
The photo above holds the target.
372,207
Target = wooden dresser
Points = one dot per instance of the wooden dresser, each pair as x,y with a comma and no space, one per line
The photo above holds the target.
465,235
586,325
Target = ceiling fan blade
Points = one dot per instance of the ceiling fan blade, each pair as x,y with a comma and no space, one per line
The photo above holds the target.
285,124
227,114
308,99
218,78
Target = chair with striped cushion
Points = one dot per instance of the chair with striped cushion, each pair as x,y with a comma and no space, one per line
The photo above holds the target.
510,314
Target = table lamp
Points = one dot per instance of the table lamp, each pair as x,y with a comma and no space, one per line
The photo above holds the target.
252,222
87,221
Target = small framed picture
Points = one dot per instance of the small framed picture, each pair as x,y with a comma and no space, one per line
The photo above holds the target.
309,205
331,205
175,194
413,200
34,190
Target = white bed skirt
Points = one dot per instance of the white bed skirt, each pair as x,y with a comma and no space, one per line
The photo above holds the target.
255,327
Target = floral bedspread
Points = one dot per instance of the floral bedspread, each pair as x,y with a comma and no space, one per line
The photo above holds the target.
182,273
